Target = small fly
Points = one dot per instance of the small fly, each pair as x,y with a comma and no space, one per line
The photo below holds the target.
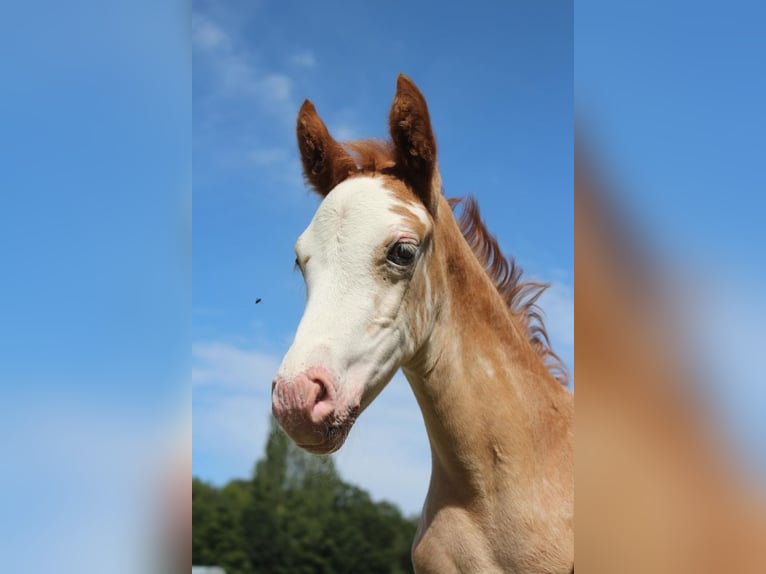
258,300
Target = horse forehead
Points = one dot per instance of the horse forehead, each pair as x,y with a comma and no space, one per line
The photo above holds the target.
362,208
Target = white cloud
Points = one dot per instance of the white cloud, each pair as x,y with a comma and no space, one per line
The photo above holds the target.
276,87
223,365
305,59
228,433
206,35
235,75
231,407
558,304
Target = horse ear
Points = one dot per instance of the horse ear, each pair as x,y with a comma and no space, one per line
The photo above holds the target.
325,162
413,138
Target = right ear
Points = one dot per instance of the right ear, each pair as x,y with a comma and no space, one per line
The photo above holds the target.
325,162
414,141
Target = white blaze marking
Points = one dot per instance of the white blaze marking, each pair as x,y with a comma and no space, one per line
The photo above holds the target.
345,293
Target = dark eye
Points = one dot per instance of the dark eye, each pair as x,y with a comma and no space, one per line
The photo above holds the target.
402,253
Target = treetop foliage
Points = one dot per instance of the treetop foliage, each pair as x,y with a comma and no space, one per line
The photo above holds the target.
297,516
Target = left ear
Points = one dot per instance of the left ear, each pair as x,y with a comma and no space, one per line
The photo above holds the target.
325,162
414,141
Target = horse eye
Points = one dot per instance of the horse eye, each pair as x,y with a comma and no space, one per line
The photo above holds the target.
402,253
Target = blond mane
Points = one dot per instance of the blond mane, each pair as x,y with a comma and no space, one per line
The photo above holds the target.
377,156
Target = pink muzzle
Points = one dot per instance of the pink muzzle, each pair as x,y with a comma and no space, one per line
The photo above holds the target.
306,407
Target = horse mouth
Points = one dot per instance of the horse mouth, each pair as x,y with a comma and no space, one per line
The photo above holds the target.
334,435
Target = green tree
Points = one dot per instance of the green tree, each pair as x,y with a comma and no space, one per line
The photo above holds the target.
204,522
217,535
297,516
264,518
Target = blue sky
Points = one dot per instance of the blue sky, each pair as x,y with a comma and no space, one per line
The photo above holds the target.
499,85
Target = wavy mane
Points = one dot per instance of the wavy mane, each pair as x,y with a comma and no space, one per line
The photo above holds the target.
377,156
520,296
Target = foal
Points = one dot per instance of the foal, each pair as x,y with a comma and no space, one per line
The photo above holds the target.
394,281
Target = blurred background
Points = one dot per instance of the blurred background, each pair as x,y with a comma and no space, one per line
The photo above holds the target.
95,283
669,246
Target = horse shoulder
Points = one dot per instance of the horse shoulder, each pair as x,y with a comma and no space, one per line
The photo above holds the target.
450,541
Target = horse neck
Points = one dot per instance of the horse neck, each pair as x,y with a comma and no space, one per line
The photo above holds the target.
492,409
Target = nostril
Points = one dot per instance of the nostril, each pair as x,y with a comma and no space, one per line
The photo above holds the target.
322,392
323,405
